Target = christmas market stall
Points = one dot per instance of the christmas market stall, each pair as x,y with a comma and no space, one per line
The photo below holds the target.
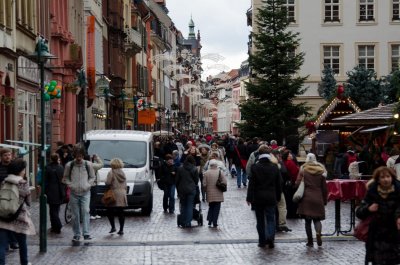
372,127
321,131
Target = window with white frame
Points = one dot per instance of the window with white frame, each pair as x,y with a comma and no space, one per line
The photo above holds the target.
367,10
366,56
332,10
290,6
395,57
395,10
331,57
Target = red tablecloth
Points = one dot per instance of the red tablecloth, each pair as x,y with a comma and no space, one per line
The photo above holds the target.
346,189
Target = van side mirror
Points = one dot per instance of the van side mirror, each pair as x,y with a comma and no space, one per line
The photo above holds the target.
155,163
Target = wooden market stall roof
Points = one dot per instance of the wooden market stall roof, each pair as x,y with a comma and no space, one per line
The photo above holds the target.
336,108
379,116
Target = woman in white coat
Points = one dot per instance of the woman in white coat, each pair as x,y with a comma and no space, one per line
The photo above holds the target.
213,194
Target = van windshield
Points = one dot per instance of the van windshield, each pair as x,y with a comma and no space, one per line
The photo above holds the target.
132,153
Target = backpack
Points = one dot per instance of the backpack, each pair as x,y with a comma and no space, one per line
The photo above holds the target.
9,202
72,166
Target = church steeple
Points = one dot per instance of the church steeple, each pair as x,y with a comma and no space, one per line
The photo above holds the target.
192,35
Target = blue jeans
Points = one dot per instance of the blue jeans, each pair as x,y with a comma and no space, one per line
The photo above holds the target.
265,216
187,204
169,198
241,176
80,208
23,248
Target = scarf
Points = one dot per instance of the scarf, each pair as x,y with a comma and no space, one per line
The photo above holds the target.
385,193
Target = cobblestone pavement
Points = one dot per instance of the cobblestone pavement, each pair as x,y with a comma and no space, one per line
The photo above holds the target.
157,240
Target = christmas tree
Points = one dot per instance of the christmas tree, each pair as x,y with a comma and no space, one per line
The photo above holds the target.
364,87
270,112
327,87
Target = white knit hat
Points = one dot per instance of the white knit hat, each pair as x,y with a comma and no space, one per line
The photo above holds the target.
311,158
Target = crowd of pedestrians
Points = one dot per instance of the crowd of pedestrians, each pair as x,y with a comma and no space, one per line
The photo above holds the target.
273,174
193,167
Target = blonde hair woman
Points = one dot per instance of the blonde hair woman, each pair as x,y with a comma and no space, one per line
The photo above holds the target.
116,180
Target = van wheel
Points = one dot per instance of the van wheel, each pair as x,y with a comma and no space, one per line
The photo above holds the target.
149,208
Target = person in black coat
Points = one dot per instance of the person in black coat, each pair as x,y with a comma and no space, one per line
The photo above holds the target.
170,146
168,173
55,191
263,194
382,205
187,179
239,157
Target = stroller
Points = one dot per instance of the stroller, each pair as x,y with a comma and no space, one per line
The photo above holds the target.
197,214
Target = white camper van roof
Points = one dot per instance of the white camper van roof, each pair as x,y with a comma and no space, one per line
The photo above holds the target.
118,135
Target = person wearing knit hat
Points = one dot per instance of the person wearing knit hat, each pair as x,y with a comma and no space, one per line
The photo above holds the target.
312,205
263,194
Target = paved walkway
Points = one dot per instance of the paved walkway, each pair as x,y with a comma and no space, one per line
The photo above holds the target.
157,240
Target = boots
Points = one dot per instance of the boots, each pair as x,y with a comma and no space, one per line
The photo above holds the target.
310,242
121,220
319,240
112,223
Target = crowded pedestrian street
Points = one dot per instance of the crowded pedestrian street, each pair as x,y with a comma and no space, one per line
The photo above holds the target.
158,240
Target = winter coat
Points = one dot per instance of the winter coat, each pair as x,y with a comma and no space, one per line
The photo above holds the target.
196,158
187,178
209,183
242,148
315,191
265,186
116,179
55,189
292,168
78,180
23,224
168,174
169,148
383,243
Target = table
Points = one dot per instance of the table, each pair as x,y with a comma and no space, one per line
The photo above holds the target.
343,190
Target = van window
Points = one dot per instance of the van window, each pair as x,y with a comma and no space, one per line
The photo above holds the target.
132,153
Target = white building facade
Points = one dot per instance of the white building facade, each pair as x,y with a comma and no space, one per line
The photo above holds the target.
343,34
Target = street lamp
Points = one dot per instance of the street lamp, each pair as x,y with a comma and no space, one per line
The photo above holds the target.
123,97
160,111
135,113
167,116
41,55
107,95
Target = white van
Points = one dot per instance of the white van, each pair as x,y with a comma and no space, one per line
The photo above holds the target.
135,149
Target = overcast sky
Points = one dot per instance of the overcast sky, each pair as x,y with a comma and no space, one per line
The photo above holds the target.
222,24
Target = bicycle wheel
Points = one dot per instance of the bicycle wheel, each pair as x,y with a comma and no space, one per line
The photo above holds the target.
68,213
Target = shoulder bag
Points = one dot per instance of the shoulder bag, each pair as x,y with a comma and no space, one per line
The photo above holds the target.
298,195
361,229
220,184
108,196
